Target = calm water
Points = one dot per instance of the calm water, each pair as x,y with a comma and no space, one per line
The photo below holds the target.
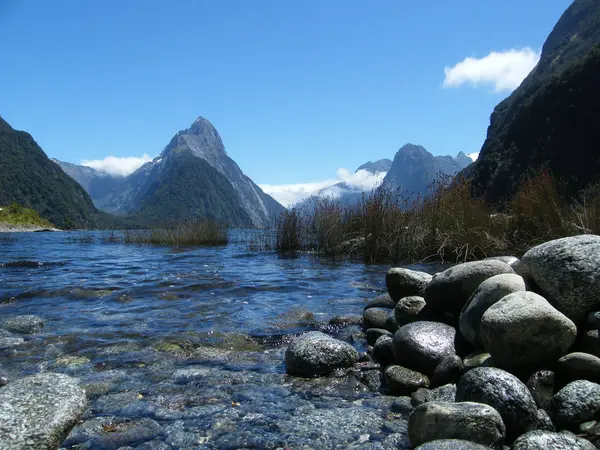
183,348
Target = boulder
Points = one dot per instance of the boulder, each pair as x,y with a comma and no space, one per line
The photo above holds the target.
541,386
23,324
376,318
381,301
37,412
449,291
449,370
578,366
527,322
383,352
577,402
403,381
407,309
421,346
390,323
567,272
401,282
473,422
445,393
503,392
452,444
486,294
375,333
315,353
548,440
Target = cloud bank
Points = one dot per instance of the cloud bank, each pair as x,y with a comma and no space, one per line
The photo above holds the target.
290,194
503,70
117,166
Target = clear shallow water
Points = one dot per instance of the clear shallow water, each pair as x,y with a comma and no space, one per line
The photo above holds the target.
183,348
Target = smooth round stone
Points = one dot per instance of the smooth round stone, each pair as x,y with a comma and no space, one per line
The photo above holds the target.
315,353
473,422
346,319
579,366
381,301
421,346
376,318
503,392
577,402
544,422
445,393
486,294
403,381
541,386
527,322
407,309
449,370
37,412
477,360
383,352
548,440
567,272
375,333
401,282
452,444
449,291
23,324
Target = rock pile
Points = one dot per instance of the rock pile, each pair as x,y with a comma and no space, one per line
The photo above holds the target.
499,352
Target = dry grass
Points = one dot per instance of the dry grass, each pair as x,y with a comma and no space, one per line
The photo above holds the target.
449,224
202,233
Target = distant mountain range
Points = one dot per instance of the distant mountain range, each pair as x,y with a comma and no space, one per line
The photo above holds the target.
551,121
192,177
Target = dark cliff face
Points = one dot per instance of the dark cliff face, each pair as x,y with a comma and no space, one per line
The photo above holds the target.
550,121
31,179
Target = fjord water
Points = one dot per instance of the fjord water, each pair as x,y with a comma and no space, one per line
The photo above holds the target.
183,348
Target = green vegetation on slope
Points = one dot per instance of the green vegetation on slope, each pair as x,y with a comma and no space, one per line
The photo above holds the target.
15,214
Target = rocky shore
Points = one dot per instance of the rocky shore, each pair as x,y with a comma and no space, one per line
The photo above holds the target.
23,228
499,353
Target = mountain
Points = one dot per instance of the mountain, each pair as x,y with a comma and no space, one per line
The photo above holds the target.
414,169
551,120
382,165
192,177
32,180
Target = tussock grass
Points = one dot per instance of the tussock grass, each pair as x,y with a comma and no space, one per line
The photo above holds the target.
197,232
16,214
448,224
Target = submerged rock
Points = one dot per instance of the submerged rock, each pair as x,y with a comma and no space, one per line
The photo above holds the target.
23,324
402,282
452,444
37,412
473,422
316,353
114,432
548,440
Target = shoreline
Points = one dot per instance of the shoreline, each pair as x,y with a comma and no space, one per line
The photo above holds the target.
6,227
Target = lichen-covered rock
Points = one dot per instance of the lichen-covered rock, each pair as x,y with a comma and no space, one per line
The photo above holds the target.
403,381
401,282
421,346
486,294
541,386
381,301
527,322
578,366
383,352
376,317
567,271
315,353
473,422
408,308
28,324
505,393
449,291
452,444
548,440
577,402
37,412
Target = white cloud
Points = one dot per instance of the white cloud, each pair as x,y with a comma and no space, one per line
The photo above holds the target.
290,194
503,70
117,166
473,156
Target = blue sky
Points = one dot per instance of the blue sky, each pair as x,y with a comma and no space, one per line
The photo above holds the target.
297,89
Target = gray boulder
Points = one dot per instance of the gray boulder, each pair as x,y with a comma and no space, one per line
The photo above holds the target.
449,291
541,385
407,309
421,346
23,324
527,322
486,294
445,393
449,370
503,392
578,366
473,422
315,353
401,282
383,352
375,333
452,444
567,271
577,402
376,317
548,440
590,343
390,323
37,412
381,301
403,381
